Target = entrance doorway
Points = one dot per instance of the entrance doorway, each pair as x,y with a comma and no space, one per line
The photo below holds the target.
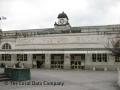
39,59
38,64
57,61
77,61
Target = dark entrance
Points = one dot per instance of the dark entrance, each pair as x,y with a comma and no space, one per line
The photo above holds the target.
39,59
38,64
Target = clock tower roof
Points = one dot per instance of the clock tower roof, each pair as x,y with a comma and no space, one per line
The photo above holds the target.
62,15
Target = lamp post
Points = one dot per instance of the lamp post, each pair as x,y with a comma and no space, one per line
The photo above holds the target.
2,18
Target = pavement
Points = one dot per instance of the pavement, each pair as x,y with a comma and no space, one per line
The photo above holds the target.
65,79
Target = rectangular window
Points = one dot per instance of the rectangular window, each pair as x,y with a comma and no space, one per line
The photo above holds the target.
117,59
99,57
104,57
6,57
21,57
94,57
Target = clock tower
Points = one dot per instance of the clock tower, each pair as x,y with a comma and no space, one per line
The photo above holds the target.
62,23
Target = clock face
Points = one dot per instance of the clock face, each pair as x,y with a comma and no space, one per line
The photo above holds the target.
62,21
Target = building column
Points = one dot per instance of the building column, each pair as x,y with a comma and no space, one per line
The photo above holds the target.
0,57
111,62
111,59
88,61
47,61
13,59
29,60
67,59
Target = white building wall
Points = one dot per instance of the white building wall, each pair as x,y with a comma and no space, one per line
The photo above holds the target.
62,41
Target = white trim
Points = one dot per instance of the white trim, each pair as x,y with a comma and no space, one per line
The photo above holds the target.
50,52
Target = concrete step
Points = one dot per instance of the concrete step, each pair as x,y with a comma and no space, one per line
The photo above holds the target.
2,75
5,79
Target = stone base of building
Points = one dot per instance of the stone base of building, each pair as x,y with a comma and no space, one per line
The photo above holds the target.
69,67
103,67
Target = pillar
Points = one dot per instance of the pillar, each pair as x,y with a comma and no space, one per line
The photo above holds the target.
13,59
88,61
0,58
29,60
47,61
111,62
105,68
67,63
94,68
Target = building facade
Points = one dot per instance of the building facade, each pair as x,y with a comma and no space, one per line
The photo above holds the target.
61,47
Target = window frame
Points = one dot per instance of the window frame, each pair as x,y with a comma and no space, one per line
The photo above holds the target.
97,57
22,57
6,46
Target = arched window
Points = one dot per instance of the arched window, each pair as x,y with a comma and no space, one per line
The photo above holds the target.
6,46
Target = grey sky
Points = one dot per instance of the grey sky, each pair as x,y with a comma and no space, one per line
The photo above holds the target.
25,14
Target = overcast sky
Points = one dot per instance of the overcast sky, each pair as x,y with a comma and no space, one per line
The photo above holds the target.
26,14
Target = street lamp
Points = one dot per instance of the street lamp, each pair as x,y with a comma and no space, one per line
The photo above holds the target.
2,18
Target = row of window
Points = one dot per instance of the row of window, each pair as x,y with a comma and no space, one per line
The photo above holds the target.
102,58
23,57
95,57
20,57
99,57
